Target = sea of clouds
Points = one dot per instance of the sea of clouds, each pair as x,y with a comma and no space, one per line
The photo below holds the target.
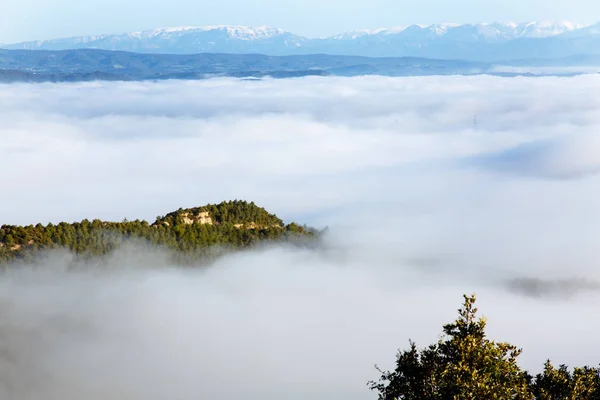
432,187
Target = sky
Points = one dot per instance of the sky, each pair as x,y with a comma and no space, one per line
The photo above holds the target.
23,20
422,206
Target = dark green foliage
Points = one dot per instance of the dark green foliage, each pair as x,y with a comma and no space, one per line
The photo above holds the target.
233,225
465,365
561,384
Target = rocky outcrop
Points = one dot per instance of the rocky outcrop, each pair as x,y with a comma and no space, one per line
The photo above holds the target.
202,218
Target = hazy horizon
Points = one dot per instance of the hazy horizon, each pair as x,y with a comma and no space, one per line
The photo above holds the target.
41,20
331,33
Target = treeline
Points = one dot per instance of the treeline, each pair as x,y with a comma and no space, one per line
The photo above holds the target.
187,232
465,365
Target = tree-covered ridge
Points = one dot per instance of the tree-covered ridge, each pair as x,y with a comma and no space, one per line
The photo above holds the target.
466,365
188,232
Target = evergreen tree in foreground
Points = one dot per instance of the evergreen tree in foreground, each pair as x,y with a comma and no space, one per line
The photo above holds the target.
466,365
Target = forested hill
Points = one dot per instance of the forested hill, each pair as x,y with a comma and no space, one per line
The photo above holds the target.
84,65
93,64
189,233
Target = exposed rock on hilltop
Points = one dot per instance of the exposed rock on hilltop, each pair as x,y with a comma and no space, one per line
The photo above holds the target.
238,213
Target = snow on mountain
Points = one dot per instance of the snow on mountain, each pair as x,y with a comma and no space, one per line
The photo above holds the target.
482,41
351,35
587,31
546,29
468,31
180,40
538,30
234,32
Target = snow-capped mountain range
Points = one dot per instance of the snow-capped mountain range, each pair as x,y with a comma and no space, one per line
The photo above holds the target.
484,41
502,31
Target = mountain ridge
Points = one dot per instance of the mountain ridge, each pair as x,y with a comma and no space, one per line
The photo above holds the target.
477,42
90,65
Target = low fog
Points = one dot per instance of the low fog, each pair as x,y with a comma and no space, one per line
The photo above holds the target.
431,187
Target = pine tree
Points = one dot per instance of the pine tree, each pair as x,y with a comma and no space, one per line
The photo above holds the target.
463,365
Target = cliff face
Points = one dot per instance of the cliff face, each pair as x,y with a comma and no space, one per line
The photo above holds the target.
202,218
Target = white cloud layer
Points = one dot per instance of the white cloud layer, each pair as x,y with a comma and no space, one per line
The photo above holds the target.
423,206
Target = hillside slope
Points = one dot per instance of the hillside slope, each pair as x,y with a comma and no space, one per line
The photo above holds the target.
136,66
232,225
89,65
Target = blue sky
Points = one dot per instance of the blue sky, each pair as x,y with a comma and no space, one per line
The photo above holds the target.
44,19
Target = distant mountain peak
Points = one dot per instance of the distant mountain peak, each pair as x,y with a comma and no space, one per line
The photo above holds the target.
438,28
234,31
509,30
